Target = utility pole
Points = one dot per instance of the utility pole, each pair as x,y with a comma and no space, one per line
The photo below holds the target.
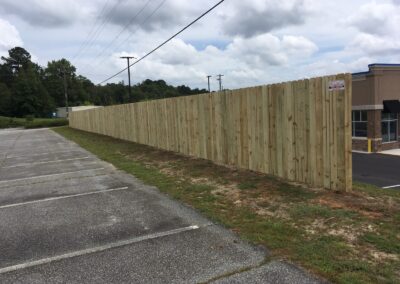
129,72
208,79
220,81
65,91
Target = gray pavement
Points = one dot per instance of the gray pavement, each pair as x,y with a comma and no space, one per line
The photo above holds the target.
68,217
378,169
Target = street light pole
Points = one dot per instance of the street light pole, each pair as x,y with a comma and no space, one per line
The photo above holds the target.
129,72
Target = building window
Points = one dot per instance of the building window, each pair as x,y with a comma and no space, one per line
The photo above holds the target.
389,127
359,123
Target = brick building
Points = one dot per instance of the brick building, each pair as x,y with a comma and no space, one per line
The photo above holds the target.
376,108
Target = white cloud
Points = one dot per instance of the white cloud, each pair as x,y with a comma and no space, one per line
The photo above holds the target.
267,49
177,52
250,42
376,18
375,45
9,36
245,61
379,24
262,16
45,13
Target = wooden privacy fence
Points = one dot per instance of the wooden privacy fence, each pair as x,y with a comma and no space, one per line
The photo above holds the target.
298,130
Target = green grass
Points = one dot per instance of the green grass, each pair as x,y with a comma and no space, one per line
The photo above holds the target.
388,243
246,185
311,211
8,122
375,191
331,256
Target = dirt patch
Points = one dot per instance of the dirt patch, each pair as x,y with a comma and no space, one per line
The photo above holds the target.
382,256
371,208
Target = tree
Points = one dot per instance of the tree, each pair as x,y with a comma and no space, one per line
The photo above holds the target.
17,57
5,100
30,96
54,79
28,89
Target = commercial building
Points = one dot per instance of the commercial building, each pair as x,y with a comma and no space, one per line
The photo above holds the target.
376,108
62,112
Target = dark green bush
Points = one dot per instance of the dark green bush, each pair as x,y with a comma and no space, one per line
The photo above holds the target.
31,122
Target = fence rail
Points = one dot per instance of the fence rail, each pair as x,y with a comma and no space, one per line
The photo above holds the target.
299,130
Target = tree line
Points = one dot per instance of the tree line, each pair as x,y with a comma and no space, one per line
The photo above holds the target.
28,89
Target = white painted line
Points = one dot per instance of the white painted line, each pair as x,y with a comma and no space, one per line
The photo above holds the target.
63,197
44,153
52,175
45,162
96,249
22,130
391,186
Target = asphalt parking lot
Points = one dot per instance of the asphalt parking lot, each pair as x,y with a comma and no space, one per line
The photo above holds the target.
68,217
378,169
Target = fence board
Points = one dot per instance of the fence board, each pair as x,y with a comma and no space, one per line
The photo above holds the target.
299,130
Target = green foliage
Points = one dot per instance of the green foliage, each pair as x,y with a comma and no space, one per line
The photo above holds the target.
28,89
31,122
5,99
29,118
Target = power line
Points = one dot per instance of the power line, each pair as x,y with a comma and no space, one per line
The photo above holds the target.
91,30
100,28
145,20
132,32
165,42
101,53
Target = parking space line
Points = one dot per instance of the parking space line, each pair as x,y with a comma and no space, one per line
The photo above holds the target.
63,197
51,175
391,186
44,153
96,249
46,162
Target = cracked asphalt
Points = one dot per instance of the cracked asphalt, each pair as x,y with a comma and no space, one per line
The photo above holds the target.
68,217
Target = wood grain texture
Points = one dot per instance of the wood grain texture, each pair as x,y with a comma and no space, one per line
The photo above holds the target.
300,130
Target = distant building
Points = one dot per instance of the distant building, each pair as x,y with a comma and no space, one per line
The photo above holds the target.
376,108
62,112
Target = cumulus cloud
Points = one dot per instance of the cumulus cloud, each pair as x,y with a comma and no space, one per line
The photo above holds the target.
267,49
262,16
45,13
148,15
9,36
376,18
245,61
250,42
376,45
177,52
378,24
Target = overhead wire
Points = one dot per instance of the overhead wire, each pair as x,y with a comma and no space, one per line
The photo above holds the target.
102,53
100,28
91,30
165,42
